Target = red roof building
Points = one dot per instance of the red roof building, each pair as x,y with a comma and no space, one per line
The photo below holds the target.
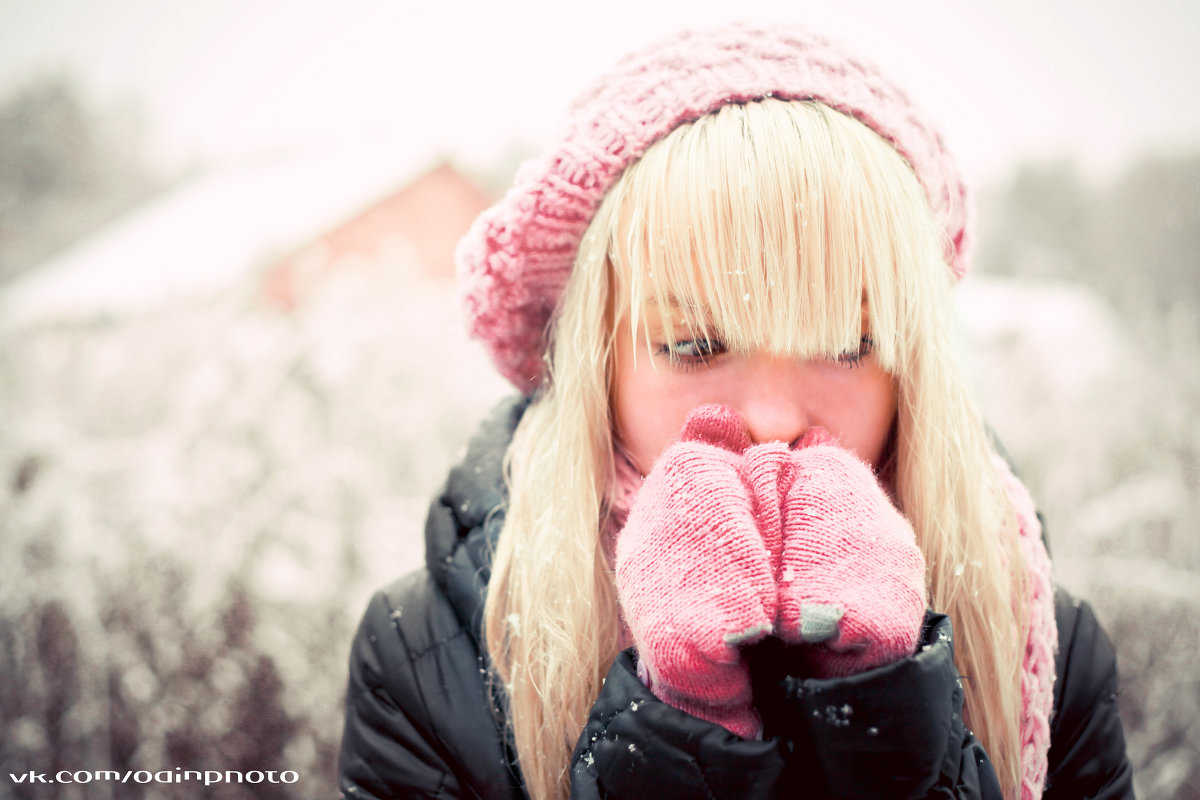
415,228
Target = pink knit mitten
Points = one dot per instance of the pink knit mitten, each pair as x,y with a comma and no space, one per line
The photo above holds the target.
694,577
851,577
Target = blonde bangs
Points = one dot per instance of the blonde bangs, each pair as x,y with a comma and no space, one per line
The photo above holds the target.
767,226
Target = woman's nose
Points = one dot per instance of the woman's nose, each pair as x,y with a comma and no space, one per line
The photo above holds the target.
773,402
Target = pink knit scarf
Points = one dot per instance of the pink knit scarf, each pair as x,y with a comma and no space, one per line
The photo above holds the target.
1038,670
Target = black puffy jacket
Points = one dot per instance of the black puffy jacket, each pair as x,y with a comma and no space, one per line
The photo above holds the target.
420,722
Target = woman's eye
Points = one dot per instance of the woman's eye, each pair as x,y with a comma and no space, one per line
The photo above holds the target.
852,358
689,353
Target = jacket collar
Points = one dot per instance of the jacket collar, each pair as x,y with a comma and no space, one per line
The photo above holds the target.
467,515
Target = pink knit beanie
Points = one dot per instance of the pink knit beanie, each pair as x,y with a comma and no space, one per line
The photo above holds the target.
514,262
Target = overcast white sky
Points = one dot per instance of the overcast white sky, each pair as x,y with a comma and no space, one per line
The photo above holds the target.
227,78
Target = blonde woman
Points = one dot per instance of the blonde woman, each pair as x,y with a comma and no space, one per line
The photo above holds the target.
743,534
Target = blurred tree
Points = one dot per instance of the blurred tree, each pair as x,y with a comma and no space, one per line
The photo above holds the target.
1148,236
1037,224
1135,240
49,143
65,169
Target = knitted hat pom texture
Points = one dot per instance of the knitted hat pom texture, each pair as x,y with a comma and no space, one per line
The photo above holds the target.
514,262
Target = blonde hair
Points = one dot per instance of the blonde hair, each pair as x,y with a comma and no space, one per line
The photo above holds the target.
796,215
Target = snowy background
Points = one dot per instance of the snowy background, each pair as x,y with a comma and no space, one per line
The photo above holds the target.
199,489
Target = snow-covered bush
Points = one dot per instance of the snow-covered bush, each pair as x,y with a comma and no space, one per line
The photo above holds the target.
197,502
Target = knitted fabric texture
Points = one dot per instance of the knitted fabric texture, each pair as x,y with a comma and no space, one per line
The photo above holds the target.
729,542
694,576
1041,644
515,260
851,577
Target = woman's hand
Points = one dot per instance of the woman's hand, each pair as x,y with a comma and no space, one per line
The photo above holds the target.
695,578
851,577
730,542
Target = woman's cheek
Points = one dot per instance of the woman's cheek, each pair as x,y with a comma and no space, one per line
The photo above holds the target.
652,404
